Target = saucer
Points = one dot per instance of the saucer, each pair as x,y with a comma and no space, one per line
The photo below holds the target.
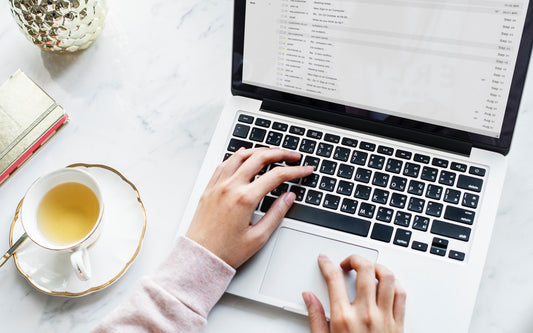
123,228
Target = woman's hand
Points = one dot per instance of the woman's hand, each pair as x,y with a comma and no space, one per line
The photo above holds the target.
377,307
223,220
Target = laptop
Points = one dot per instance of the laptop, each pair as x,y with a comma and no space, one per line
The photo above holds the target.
407,110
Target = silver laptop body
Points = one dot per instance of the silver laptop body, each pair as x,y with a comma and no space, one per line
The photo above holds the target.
407,109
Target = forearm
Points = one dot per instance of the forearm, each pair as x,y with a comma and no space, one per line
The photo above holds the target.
177,297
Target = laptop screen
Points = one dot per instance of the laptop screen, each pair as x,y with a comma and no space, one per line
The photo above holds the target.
446,63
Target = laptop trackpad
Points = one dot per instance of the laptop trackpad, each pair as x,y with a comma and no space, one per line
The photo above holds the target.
293,267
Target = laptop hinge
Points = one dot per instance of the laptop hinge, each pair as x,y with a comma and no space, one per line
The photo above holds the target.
367,126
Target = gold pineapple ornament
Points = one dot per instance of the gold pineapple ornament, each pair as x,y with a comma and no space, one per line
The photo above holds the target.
60,25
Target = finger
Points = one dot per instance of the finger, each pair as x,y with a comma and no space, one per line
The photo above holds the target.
270,221
365,282
385,289
338,295
253,165
398,310
270,180
315,313
235,161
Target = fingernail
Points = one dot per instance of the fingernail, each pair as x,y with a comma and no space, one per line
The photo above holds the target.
307,298
322,257
288,198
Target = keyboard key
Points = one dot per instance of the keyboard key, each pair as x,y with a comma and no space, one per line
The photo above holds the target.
307,146
434,192
324,149
362,192
376,162
406,155
434,209
324,218
327,183
452,196
345,188
313,197
447,178
299,191
331,201
349,142
328,167
380,196
236,144
416,187
226,156
470,200
398,200
262,122
411,170
345,171
367,146
456,255
476,171
450,230
459,215
398,183
341,154
311,180
297,130
458,167
429,174
420,223
313,161
394,166
348,206
421,158
291,142
416,205
402,237
263,170
385,150
295,163
241,131
440,242
282,188
363,175
470,183
382,232
366,210
243,118
439,162
384,214
380,179
438,251
419,246
258,134
359,157
314,134
332,138
403,219
274,138
280,126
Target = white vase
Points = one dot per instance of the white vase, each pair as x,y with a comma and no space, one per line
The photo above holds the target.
60,25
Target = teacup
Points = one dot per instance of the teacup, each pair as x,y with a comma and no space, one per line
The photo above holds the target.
62,211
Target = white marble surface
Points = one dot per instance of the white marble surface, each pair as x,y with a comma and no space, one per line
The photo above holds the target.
145,99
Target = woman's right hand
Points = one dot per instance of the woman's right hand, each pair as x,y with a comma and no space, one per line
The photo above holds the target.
377,307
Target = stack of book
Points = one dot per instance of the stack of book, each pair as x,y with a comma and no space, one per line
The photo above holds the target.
28,118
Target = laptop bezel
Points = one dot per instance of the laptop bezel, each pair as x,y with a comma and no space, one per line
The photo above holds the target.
501,145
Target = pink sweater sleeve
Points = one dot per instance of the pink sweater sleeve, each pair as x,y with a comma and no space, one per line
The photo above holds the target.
177,297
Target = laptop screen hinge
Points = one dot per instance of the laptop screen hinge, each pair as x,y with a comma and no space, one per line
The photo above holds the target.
340,119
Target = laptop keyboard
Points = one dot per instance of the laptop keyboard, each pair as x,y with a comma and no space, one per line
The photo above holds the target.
391,195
